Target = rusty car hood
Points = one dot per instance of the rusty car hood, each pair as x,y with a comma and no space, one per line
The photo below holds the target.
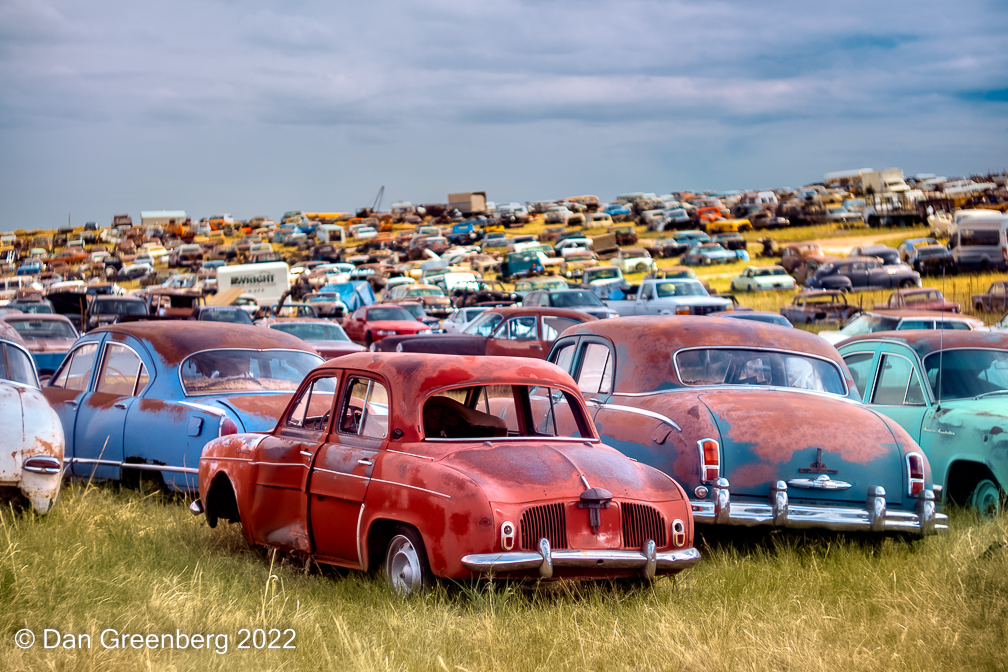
766,435
528,471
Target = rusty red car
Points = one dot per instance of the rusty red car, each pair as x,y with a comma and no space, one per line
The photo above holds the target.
513,332
922,298
762,424
370,324
428,466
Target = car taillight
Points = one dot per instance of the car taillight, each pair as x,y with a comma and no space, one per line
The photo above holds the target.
228,426
43,465
507,535
915,470
678,533
682,310
710,460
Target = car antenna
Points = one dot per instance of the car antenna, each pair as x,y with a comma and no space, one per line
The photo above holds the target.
941,347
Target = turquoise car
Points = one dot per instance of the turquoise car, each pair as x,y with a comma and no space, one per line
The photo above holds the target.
949,391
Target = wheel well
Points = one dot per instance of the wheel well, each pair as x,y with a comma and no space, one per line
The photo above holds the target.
380,534
221,501
962,478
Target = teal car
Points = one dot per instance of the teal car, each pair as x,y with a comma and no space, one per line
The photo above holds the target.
949,391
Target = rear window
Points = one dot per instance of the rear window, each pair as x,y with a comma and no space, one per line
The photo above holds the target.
41,329
227,371
743,366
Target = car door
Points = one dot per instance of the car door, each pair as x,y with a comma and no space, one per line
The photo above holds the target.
279,503
341,471
858,273
888,379
517,337
101,415
67,387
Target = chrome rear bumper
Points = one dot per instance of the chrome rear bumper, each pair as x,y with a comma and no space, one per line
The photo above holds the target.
719,509
648,561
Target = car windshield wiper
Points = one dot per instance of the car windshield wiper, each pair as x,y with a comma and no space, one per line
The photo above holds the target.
991,394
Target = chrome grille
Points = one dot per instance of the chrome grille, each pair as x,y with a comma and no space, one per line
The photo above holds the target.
548,520
704,310
640,523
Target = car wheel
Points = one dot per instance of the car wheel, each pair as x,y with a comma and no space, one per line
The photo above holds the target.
368,340
908,283
406,562
641,267
986,499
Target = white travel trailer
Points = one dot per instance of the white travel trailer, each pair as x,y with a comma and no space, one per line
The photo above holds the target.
266,282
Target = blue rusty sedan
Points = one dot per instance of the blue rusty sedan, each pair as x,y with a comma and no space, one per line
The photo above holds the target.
146,396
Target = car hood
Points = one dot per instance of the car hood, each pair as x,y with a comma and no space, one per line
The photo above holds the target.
771,434
523,471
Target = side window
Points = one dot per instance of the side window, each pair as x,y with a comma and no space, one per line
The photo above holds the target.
915,324
365,409
553,407
860,368
897,385
120,371
314,406
554,326
15,366
75,374
564,357
519,329
596,370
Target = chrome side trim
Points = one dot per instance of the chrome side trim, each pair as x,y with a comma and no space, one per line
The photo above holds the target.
131,465
381,480
284,464
360,555
399,452
641,411
532,562
203,407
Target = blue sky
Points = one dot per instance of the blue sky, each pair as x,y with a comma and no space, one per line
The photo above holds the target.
259,107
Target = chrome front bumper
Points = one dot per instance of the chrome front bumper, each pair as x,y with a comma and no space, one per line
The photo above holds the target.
718,509
648,561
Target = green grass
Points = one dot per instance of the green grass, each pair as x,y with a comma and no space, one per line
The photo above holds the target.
115,558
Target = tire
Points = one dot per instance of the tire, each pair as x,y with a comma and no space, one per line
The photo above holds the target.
368,340
986,499
641,267
908,283
406,565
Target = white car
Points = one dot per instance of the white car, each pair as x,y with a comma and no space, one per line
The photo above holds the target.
460,319
759,278
365,233
157,252
635,260
32,458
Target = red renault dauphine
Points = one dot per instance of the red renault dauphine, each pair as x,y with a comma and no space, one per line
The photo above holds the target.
459,467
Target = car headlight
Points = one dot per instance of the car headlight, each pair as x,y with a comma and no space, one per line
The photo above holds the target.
424,331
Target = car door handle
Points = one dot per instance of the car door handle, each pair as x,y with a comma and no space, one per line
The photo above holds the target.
72,404
305,453
365,462
120,405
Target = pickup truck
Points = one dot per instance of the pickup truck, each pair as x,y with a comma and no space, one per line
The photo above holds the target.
668,297
602,280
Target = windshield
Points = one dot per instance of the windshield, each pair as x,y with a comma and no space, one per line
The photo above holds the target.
234,316
667,289
577,297
123,307
388,313
312,331
424,291
36,308
484,325
738,366
869,324
229,371
967,373
605,274
36,329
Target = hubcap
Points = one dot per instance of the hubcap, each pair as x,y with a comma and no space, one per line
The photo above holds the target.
403,566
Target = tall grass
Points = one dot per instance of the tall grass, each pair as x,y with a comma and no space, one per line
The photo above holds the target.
116,558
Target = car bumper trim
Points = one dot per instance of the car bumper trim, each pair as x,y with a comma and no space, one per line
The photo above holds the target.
719,509
544,561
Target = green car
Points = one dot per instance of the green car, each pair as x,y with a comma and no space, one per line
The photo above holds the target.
949,391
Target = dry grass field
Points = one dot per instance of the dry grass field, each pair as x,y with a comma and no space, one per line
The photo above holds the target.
121,562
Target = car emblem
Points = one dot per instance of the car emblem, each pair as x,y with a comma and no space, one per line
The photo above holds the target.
817,467
595,499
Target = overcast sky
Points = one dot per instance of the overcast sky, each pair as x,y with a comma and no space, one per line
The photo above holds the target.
259,107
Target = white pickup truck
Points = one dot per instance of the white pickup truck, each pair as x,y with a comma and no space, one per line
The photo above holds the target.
668,297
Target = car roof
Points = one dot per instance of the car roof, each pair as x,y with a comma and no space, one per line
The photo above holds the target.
926,341
646,343
175,340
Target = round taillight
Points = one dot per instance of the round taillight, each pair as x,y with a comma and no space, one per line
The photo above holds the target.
678,533
228,426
